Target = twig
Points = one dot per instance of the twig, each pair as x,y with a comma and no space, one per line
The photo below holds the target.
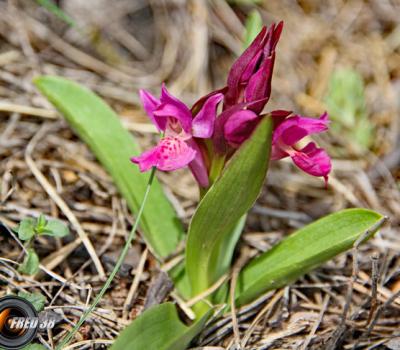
260,315
235,274
135,284
317,322
208,291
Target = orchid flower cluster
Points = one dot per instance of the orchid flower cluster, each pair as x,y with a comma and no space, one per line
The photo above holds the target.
205,136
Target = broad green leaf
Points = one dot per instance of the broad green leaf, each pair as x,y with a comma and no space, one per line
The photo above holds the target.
228,199
36,299
30,265
224,256
96,124
159,328
304,250
253,26
26,229
346,105
226,249
55,228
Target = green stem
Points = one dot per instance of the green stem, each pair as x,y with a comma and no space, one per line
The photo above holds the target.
217,165
121,259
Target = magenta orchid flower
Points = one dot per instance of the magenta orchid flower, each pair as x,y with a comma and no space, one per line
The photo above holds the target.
311,159
250,77
178,148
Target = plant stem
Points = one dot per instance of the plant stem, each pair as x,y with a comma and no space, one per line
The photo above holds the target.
217,166
121,259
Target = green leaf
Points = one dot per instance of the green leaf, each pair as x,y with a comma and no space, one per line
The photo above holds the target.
346,104
304,250
36,299
55,228
229,198
26,229
96,124
159,328
253,26
30,265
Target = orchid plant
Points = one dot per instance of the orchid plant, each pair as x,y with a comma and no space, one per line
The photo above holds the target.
227,140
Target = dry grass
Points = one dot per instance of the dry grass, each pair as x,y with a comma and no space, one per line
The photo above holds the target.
190,45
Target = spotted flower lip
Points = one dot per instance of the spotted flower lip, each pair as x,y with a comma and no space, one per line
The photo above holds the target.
311,159
178,148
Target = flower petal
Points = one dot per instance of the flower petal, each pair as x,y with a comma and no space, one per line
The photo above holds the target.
293,129
198,166
251,67
171,153
273,36
259,85
313,160
240,66
239,127
147,159
174,154
172,107
150,104
219,140
200,102
203,123
277,152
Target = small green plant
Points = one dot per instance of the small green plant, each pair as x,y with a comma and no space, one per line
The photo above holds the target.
346,104
30,228
38,300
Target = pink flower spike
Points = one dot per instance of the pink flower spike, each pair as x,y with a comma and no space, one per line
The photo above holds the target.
203,122
170,154
313,160
150,104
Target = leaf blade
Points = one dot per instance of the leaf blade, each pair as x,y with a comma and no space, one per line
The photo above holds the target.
245,173
38,300
158,328
26,229
55,228
304,250
30,265
100,128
